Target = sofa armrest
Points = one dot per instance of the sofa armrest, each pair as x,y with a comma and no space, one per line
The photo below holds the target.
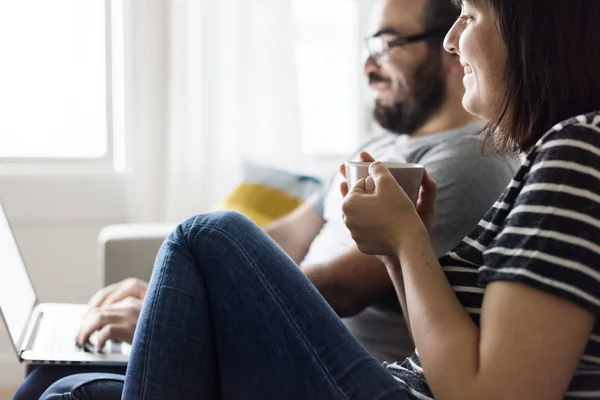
129,250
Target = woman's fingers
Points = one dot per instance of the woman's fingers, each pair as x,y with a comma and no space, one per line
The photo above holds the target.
343,169
426,202
365,157
369,185
344,188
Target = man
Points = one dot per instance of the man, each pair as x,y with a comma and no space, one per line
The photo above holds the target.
418,89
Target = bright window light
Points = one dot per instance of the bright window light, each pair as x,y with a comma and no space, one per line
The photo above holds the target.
53,81
328,74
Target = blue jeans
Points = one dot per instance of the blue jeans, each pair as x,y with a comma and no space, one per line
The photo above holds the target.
40,377
89,386
229,315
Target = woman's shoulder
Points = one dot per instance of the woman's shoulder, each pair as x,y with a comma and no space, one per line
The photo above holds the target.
570,140
584,127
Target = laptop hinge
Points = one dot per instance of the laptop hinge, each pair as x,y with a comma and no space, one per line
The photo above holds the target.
24,334
33,333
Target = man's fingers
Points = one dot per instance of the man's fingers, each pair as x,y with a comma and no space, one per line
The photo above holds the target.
118,291
117,295
130,287
98,299
94,321
117,332
86,330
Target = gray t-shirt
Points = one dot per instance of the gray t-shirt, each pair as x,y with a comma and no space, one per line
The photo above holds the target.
469,181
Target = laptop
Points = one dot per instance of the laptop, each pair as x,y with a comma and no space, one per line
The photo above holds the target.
44,333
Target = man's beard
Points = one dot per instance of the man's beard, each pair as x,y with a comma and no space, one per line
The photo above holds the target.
412,109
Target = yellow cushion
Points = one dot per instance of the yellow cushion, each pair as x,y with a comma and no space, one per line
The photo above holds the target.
260,203
267,194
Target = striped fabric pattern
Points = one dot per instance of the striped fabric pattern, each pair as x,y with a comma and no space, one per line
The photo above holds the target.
544,231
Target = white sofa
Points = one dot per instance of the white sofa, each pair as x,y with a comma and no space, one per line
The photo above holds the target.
129,250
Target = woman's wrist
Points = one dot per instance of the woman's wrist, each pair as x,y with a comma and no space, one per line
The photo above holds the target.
413,236
390,262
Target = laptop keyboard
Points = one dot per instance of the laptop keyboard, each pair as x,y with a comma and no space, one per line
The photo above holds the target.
57,332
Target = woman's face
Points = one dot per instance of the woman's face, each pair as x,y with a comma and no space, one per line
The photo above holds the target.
483,53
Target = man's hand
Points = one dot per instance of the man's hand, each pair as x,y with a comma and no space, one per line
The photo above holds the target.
114,312
130,287
116,321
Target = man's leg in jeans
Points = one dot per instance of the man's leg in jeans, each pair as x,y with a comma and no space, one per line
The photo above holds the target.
229,315
40,377
90,386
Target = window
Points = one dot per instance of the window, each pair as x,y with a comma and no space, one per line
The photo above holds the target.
55,79
329,77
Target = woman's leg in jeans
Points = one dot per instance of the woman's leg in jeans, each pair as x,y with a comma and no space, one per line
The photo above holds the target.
229,315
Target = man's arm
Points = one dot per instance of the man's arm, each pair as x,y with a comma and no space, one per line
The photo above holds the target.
295,232
351,281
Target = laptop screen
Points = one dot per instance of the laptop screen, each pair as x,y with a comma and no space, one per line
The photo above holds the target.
17,296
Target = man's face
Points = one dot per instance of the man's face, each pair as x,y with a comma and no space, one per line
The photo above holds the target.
410,83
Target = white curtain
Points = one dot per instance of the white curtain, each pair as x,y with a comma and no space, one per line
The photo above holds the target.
208,83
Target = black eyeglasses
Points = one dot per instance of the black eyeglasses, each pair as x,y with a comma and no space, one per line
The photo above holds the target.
379,48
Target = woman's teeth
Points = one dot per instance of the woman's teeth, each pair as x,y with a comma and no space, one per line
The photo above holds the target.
468,70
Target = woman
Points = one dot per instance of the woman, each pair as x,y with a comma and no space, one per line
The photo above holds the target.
509,314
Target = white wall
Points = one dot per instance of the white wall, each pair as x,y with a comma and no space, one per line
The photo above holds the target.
56,220
56,217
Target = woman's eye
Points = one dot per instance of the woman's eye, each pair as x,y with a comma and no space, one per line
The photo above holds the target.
466,18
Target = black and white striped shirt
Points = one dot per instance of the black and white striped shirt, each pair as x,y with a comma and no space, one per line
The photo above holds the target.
543,231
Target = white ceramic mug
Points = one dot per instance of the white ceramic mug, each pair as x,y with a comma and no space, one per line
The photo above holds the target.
408,176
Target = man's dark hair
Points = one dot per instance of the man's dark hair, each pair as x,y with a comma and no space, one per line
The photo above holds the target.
552,68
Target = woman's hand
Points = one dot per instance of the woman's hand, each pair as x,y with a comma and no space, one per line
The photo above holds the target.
379,213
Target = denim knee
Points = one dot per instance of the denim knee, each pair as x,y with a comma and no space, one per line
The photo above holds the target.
89,386
227,221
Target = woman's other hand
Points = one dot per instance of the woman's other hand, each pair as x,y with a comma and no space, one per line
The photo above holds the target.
379,214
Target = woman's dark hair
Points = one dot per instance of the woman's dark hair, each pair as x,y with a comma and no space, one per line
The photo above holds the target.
439,14
552,69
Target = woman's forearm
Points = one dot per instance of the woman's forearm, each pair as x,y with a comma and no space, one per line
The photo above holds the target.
444,334
393,267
